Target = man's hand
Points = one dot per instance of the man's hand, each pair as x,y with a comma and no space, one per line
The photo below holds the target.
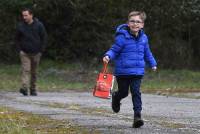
106,59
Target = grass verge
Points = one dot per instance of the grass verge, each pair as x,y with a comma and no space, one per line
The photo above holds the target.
54,76
14,122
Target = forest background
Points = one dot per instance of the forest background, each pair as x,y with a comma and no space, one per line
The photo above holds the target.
82,30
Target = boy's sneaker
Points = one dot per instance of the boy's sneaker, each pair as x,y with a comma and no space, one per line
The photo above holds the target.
23,91
115,103
138,122
33,92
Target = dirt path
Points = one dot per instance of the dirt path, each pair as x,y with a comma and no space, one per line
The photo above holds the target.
162,115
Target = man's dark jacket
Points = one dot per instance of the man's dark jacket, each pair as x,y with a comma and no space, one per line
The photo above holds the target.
31,38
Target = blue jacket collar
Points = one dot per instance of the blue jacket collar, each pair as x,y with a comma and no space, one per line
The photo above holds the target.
124,29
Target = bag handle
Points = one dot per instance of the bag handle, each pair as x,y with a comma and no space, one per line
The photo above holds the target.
105,67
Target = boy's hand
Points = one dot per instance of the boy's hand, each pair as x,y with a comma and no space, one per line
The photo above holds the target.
106,59
154,68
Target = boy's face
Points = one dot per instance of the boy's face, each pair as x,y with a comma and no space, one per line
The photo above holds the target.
135,23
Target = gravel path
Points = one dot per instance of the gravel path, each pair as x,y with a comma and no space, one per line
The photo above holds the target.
162,115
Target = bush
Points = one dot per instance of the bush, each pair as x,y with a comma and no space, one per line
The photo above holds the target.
80,30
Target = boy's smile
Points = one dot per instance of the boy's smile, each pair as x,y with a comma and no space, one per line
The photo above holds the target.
135,23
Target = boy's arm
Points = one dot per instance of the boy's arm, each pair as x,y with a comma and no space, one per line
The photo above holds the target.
148,56
116,47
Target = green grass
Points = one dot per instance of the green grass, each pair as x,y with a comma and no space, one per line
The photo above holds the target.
54,76
15,122
172,81
51,77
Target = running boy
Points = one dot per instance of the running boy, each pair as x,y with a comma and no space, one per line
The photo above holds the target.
130,52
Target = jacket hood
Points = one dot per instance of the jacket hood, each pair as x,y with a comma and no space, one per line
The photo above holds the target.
35,20
124,29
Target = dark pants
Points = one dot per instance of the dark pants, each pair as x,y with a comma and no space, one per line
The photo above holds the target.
134,82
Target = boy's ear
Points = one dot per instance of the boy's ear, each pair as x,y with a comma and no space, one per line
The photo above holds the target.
128,23
142,25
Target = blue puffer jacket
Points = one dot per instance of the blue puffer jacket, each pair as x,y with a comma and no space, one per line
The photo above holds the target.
130,53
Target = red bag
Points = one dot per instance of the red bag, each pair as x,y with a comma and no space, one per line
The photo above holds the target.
104,84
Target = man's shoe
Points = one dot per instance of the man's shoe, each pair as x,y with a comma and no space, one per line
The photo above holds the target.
138,122
33,92
23,91
115,103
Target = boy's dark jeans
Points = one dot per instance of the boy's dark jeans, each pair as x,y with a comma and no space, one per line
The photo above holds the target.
134,82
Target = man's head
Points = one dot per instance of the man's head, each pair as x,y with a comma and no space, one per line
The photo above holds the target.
27,15
136,21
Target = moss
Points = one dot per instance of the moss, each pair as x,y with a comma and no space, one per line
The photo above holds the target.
14,122
171,124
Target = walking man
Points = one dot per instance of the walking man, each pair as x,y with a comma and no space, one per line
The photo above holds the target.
31,38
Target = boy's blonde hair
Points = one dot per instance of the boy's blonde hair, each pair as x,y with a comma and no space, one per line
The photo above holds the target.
136,13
